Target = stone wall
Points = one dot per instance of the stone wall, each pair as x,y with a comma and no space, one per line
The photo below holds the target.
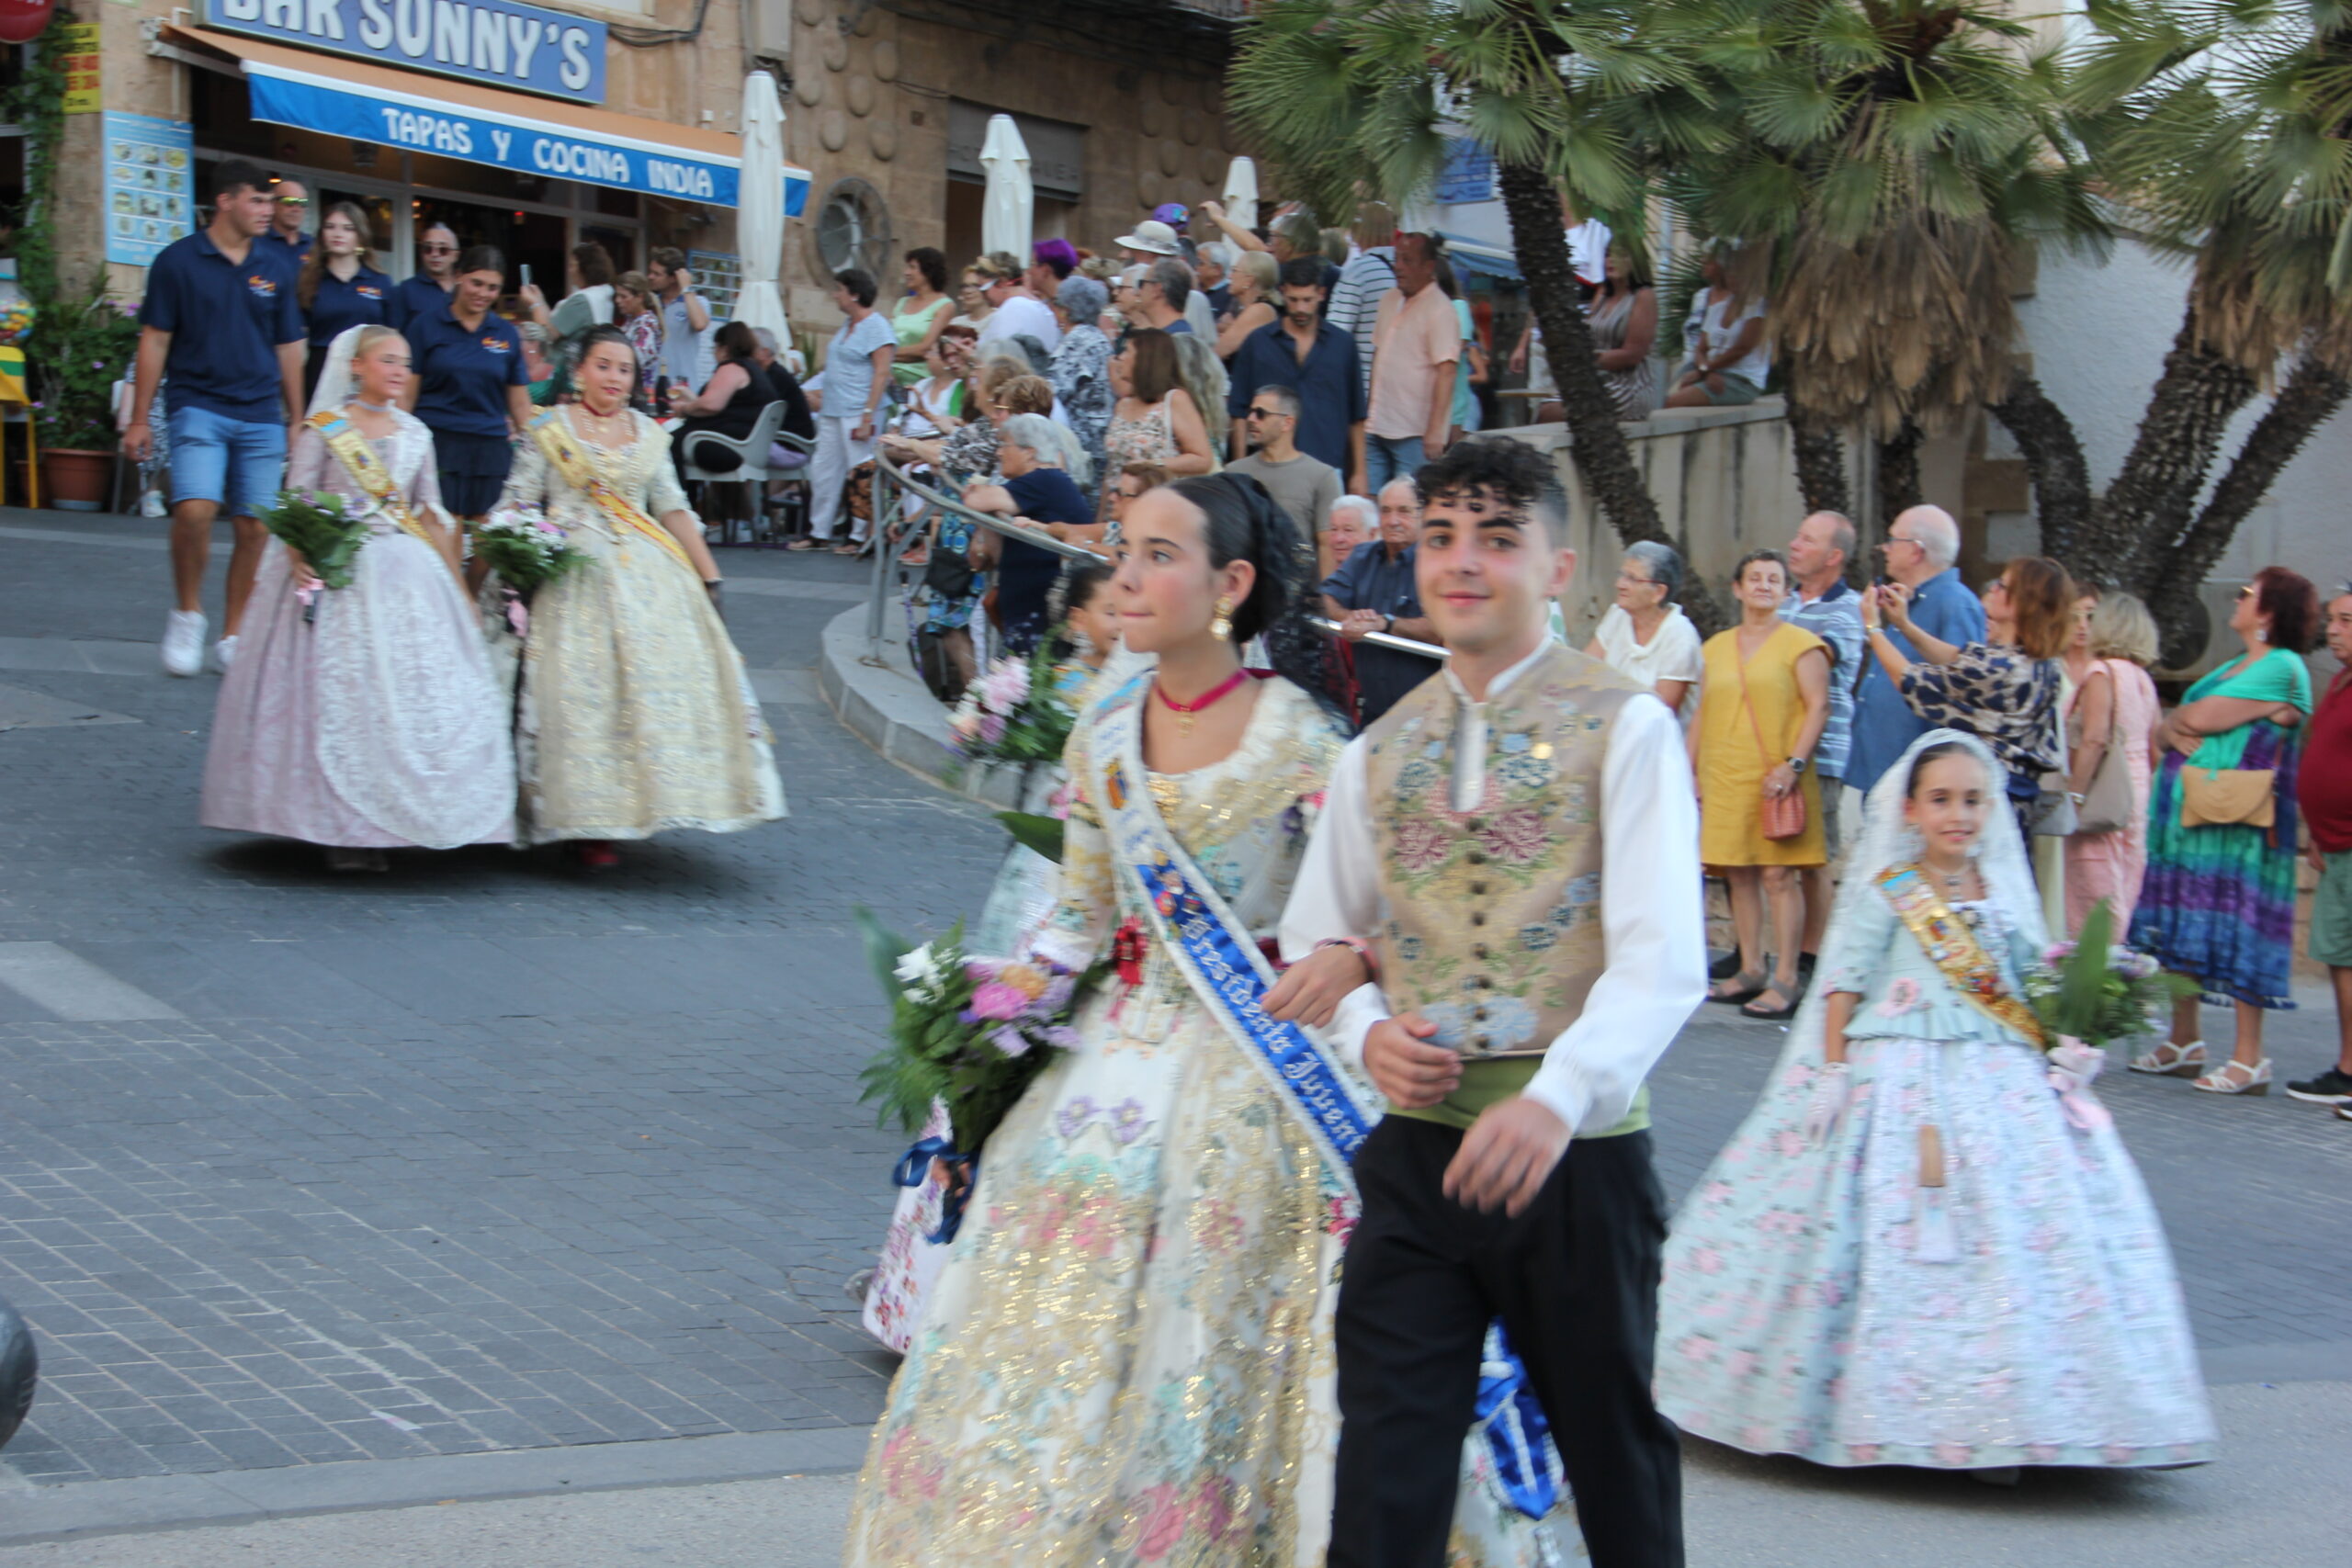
1725,483
874,103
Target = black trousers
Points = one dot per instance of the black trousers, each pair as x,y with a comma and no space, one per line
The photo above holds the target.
1574,1280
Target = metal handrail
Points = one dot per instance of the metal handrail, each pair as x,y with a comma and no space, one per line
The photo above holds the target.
1385,639
888,475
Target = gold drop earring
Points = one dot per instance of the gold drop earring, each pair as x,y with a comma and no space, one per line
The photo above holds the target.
1221,618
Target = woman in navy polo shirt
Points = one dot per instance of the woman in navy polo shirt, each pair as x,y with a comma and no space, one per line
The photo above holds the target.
471,388
341,286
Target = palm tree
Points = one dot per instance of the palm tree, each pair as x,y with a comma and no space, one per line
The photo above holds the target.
1892,159
2224,129
1347,97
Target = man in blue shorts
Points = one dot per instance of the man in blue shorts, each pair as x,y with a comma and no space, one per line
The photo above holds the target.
222,320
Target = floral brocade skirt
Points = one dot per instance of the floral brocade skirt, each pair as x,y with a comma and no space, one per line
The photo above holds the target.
1129,1358
1799,1315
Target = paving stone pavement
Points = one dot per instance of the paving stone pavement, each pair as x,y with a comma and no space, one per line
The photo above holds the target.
487,1154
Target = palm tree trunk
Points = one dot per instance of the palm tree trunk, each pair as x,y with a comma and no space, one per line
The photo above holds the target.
1596,444
1898,474
2053,461
1821,462
2133,524
2309,400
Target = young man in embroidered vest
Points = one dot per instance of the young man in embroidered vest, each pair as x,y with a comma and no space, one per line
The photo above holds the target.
1514,847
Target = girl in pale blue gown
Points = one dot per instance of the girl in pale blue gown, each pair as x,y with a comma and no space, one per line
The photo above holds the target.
1926,1247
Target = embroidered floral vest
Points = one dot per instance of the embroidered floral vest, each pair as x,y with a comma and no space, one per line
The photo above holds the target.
1493,915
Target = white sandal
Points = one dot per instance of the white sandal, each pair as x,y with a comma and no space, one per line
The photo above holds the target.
2236,1078
2168,1060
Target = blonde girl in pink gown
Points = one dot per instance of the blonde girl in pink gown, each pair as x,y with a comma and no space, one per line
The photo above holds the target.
2122,640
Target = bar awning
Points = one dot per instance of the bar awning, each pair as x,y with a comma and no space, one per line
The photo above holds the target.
484,125
1477,256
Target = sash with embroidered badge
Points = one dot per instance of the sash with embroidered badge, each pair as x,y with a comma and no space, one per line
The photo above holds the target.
1953,949
552,433
351,448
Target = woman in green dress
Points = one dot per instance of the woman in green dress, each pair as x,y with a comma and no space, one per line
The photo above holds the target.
2219,902
922,314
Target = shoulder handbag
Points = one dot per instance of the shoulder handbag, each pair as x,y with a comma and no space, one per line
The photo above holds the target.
2226,796
2107,804
1782,817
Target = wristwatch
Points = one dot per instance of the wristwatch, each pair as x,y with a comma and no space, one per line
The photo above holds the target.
1797,764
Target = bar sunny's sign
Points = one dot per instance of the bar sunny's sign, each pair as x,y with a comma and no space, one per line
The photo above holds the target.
496,42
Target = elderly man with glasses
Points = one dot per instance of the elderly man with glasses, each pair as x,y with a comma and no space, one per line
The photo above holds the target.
1374,590
1302,486
423,292
1917,552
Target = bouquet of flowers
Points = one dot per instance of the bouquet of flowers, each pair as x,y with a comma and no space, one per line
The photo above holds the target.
968,1032
316,527
1012,714
2089,992
527,551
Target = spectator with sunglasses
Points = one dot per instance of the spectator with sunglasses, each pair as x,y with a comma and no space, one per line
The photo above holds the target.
290,208
427,292
1305,487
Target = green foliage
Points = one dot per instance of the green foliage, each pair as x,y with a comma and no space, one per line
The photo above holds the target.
1032,832
2095,991
1348,96
80,348
2226,127
317,527
37,104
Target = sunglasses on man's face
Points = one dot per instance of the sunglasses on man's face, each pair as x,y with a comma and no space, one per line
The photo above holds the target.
293,201
1265,413
440,250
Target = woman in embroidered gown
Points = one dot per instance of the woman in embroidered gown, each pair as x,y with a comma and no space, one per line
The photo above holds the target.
636,716
374,723
1844,1287
1127,1358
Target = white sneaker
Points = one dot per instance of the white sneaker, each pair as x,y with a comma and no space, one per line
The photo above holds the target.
184,642
224,651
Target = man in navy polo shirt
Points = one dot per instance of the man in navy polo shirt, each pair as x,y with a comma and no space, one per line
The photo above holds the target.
292,200
425,292
1304,352
222,320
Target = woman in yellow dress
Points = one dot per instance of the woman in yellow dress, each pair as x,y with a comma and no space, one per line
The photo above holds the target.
1763,699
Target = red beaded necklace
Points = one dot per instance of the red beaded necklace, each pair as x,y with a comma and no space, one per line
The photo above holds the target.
1186,712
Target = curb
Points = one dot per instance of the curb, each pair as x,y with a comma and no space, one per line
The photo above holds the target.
79,1510
885,704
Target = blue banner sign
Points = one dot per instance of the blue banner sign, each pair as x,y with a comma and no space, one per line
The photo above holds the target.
1468,175
503,141
497,42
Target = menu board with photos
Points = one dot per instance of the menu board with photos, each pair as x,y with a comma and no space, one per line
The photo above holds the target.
149,186
718,279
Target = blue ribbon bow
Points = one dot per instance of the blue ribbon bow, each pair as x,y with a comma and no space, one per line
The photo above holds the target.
914,1168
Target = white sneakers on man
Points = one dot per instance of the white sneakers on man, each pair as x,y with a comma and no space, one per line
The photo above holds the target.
184,642
224,651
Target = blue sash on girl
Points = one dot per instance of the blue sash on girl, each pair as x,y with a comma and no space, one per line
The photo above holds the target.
1230,976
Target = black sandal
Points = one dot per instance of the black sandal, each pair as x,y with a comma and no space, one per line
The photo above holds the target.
1751,1011
1742,992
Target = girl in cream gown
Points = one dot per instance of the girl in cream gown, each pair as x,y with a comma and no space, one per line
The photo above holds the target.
1128,1357
366,719
635,715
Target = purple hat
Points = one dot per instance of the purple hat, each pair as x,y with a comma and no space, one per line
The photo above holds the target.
1171,213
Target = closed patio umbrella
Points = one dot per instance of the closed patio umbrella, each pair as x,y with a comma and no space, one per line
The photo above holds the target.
1009,209
759,218
1242,192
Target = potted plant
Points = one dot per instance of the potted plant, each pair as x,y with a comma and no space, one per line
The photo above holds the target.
80,350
